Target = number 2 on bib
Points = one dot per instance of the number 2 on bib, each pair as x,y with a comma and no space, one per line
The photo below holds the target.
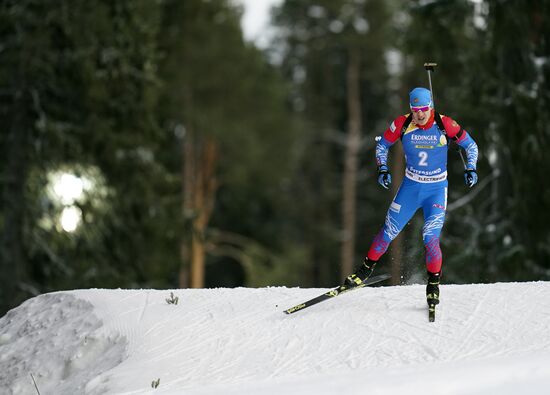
423,155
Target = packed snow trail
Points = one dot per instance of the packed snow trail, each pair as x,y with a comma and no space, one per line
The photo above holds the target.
487,339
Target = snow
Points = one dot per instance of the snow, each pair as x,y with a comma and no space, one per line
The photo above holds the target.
487,339
256,22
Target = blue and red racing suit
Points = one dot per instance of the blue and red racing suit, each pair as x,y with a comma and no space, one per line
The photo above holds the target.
425,182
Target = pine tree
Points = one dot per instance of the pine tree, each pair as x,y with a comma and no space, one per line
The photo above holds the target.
81,99
226,105
333,48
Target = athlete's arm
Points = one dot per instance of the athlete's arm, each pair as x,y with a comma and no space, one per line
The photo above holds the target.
462,138
390,136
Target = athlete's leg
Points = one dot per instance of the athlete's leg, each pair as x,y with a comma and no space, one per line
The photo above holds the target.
401,210
403,207
434,205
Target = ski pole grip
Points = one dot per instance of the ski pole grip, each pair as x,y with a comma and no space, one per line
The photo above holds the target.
430,66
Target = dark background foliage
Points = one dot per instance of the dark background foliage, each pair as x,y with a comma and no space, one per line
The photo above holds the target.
123,93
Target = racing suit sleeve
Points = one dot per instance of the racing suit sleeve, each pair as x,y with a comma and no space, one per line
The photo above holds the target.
463,139
390,136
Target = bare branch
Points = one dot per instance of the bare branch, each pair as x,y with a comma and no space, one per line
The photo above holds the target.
470,196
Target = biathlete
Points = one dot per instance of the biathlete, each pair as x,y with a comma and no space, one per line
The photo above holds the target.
424,135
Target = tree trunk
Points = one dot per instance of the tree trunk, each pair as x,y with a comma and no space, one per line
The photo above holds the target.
13,261
199,190
396,251
187,186
353,142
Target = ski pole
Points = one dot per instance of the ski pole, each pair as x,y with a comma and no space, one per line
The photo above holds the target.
430,68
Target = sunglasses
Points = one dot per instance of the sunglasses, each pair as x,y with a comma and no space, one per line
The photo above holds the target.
418,109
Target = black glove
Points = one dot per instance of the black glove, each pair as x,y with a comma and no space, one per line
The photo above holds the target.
470,177
384,176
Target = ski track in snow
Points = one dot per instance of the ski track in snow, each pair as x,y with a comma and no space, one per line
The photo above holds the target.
238,341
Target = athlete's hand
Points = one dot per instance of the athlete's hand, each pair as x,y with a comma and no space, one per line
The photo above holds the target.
384,176
470,177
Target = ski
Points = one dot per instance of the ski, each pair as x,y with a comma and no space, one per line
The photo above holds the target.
431,312
335,292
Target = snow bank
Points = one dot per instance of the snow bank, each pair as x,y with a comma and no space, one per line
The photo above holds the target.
487,339
58,339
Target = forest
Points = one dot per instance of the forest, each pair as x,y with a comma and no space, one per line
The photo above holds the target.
147,144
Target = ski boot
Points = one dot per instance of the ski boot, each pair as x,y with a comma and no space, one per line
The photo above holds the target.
432,289
361,275
432,293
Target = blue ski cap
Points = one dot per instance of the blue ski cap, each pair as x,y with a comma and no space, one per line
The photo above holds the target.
420,97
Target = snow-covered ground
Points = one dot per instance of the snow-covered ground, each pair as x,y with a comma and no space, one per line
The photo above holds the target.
488,339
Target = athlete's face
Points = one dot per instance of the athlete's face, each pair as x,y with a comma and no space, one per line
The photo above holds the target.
421,117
